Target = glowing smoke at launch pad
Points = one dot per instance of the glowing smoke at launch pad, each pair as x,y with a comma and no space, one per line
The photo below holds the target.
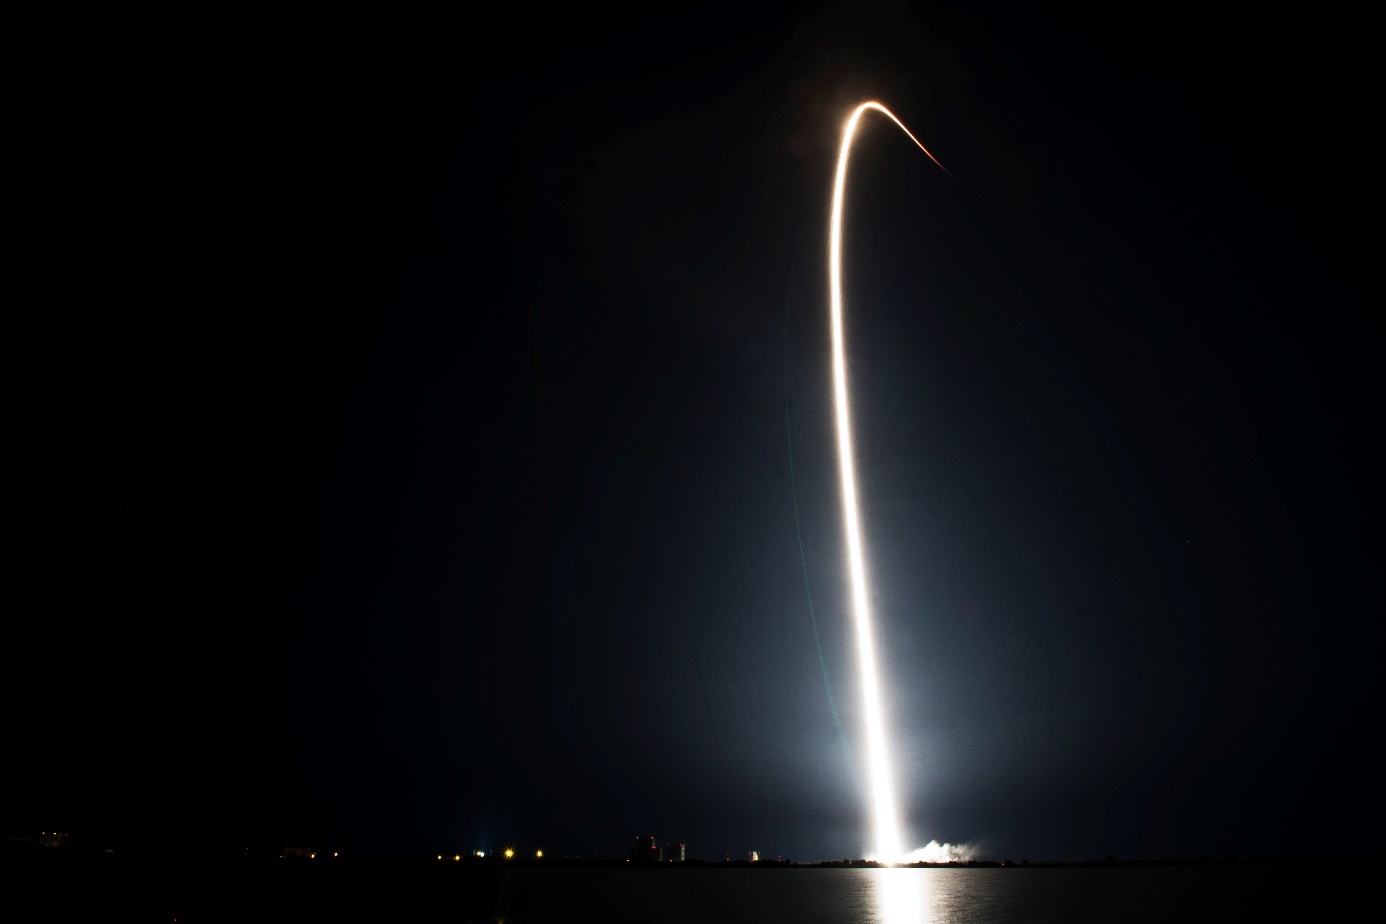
888,845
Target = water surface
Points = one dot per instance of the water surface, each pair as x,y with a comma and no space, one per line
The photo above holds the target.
901,896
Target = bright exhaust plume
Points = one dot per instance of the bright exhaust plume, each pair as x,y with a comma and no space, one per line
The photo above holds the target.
885,819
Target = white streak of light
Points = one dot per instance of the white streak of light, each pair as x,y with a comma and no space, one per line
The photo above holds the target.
888,844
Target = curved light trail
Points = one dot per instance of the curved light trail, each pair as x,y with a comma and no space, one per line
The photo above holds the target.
887,825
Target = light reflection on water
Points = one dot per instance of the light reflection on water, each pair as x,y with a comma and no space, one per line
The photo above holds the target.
928,896
901,896
882,896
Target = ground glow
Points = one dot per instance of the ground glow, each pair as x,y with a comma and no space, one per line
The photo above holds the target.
887,826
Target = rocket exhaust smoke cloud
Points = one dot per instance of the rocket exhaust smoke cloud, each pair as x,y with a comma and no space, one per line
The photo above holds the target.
888,847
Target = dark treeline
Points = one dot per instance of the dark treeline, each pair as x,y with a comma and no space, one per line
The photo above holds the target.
25,856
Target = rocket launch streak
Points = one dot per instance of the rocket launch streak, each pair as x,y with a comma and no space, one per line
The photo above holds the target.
887,827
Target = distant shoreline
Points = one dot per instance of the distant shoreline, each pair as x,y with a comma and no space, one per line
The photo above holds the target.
59,857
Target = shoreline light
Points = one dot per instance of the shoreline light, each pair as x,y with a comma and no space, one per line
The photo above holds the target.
886,821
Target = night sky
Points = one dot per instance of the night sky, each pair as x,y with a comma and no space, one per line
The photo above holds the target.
402,426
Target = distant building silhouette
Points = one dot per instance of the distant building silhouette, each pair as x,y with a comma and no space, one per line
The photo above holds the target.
675,853
646,850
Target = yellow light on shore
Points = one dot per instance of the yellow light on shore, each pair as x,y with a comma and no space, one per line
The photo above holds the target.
539,854
509,853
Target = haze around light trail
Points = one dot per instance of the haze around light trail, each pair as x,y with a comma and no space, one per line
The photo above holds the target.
798,525
886,823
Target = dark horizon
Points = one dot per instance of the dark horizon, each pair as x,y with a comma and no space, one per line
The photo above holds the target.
404,455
